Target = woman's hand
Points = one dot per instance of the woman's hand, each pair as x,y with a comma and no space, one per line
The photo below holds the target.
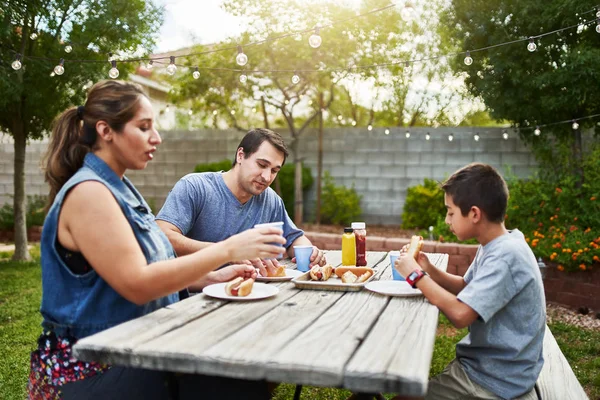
255,243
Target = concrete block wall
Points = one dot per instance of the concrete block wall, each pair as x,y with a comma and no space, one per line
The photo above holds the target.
380,167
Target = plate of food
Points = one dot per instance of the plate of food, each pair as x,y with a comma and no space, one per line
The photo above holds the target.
279,274
240,289
393,288
345,279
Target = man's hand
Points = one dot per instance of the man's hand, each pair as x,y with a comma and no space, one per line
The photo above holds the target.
316,258
264,266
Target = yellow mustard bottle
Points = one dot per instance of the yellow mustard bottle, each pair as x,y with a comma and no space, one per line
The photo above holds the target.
348,247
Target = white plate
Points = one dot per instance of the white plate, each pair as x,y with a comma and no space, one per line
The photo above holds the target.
289,275
393,288
259,291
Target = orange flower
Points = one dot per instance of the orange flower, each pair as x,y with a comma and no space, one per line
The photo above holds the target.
558,190
572,228
560,268
596,258
587,230
540,224
575,219
593,198
582,267
553,256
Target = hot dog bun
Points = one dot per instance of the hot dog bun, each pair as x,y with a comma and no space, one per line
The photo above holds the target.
349,277
416,243
318,273
276,272
358,271
239,287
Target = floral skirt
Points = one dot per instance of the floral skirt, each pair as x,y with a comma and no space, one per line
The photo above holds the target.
53,365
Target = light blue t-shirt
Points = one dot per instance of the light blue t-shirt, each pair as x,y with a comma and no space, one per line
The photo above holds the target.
503,350
203,208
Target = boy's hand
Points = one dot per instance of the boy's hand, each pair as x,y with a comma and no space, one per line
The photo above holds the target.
422,260
405,264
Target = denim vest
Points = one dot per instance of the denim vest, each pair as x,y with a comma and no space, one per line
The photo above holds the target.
81,305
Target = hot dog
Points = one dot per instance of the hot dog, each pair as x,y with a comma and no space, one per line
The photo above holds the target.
276,272
416,243
318,273
239,287
358,271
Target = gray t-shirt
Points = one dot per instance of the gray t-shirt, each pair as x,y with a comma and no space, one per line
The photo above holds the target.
503,350
203,208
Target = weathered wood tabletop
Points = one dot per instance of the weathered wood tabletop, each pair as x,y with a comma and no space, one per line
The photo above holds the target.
362,341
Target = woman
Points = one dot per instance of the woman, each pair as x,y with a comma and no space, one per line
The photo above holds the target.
104,259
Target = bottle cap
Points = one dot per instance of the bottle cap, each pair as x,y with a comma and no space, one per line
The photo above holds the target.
358,225
348,230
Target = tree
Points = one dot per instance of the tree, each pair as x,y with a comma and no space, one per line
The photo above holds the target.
556,82
269,97
42,33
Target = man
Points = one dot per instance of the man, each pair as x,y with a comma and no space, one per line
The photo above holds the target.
204,208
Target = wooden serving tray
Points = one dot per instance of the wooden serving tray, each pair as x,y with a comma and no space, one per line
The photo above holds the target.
334,283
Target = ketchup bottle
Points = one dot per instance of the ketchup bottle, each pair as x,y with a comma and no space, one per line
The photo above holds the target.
360,233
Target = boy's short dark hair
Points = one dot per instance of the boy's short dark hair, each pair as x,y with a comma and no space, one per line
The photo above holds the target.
254,138
478,185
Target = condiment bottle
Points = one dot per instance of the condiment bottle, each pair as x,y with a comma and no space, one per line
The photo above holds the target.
360,233
348,247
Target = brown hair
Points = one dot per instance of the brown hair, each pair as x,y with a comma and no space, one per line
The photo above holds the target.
253,139
478,185
74,131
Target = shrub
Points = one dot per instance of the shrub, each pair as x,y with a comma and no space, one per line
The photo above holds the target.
285,177
424,204
341,205
35,213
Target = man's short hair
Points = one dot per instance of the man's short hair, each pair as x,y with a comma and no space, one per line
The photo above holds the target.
254,138
478,185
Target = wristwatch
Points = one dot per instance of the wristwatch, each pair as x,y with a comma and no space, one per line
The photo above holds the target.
414,277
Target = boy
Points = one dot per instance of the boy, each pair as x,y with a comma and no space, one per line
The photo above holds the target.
501,297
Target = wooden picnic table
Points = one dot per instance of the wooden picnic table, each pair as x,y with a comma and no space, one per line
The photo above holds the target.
361,341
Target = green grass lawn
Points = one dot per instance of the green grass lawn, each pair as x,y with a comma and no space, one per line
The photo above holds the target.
20,293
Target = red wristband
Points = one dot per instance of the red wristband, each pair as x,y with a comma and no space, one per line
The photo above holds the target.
414,277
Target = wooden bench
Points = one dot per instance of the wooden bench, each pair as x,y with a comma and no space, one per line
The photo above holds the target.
557,380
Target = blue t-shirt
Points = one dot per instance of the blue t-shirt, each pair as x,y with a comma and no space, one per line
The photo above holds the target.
203,208
503,350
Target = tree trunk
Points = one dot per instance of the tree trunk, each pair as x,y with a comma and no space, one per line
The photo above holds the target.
320,161
298,202
264,112
19,204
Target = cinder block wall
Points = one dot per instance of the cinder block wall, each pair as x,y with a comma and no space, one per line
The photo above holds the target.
380,167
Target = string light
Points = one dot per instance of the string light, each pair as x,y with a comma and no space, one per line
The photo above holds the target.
504,135
476,137
315,39
575,125
113,72
407,134
232,112
295,79
241,59
215,112
468,58
172,67
60,69
370,127
427,136
353,123
168,109
340,117
150,65
450,137
196,73
68,48
190,112
598,25
16,64
531,46
243,78
537,131
387,131
407,13
33,35
110,57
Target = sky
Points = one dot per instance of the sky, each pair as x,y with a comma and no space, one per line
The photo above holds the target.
189,22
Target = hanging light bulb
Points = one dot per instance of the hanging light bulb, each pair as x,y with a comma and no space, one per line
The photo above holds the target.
575,125
407,134
427,136
450,137
531,46
468,58
60,69
315,39
33,36
298,37
598,13
110,57
295,79
196,73
286,101
68,48
150,65
215,112
243,78
172,67
407,12
16,64
241,59
113,72
598,26
537,131
353,123
232,112
190,112
387,131
370,127
504,135
340,117
476,137
168,109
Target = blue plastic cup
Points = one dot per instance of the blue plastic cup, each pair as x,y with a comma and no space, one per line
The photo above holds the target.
395,274
302,254
276,225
